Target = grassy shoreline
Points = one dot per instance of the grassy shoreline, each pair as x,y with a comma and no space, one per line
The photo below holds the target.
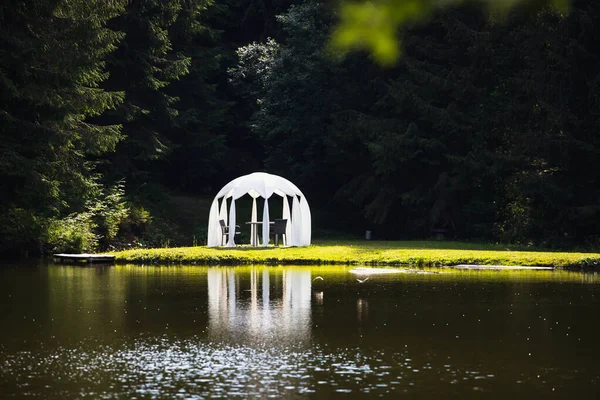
385,253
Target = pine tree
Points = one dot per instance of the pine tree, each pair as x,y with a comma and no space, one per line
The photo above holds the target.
200,154
423,162
552,196
144,65
51,67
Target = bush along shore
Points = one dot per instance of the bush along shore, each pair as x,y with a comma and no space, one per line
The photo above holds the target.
386,253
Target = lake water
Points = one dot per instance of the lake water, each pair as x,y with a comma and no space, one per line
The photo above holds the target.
296,332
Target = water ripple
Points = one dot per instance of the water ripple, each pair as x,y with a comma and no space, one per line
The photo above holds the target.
158,368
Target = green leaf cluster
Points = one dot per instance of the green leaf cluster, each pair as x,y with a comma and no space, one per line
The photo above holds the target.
373,25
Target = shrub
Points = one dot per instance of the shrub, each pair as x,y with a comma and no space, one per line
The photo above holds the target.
74,234
108,212
97,227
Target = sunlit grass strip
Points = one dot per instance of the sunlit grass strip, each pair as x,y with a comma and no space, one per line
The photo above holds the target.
359,252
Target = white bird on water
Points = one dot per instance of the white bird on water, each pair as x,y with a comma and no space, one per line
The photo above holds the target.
318,277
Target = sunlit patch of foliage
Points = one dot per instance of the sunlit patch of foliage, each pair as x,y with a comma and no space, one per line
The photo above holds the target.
373,25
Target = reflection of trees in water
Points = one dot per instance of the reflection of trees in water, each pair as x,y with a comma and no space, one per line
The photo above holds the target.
85,301
260,305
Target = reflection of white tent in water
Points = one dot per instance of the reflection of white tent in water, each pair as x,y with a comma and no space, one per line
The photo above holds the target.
258,305
260,184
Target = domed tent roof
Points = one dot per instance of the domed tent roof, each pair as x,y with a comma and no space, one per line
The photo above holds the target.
261,184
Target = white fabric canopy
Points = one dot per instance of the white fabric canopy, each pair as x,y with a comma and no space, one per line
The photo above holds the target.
261,184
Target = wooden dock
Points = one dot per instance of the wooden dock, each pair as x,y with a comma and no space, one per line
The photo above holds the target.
89,258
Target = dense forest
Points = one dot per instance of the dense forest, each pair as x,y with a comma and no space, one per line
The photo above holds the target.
486,128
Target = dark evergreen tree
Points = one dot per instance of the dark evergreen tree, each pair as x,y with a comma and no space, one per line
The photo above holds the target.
144,65
233,23
51,65
200,155
552,195
424,140
296,87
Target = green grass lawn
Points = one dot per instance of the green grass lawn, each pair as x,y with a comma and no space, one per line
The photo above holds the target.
415,253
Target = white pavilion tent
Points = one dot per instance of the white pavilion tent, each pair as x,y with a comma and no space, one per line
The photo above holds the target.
261,184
